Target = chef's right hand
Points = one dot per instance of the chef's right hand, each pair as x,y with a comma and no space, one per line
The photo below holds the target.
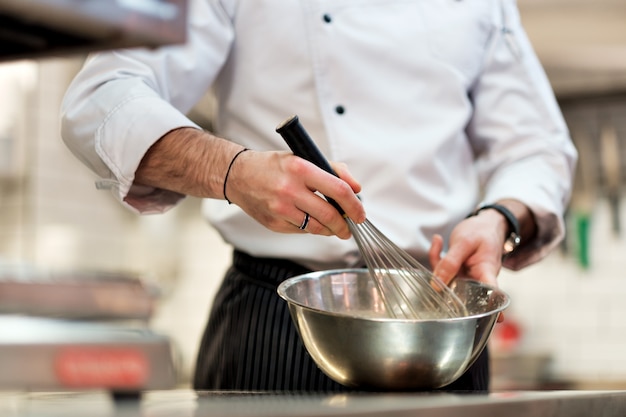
279,189
276,188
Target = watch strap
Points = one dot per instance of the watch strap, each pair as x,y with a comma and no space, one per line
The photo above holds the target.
514,229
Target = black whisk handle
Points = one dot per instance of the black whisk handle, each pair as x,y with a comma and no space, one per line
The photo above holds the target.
303,146
301,143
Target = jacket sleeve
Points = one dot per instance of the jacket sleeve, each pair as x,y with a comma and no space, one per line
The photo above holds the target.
519,136
122,102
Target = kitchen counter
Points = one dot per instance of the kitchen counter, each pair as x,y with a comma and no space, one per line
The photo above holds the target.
186,403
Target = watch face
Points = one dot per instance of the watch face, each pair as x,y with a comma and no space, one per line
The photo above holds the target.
511,243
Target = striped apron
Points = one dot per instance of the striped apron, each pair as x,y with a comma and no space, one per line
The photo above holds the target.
251,344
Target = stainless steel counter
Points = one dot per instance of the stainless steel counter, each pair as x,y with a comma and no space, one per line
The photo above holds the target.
184,403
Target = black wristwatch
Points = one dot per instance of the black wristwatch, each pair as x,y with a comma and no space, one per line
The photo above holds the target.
513,239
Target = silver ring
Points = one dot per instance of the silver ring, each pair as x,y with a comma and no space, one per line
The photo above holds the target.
305,221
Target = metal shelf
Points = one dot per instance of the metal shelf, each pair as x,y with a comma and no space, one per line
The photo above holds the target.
41,28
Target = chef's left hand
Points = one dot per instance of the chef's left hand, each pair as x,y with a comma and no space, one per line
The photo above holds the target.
475,250
476,244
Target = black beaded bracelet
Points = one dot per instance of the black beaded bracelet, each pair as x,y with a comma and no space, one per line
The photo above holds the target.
232,161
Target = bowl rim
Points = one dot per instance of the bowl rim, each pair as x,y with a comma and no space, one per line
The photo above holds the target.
281,290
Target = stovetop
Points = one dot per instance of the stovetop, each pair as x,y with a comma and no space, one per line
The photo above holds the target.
46,354
75,294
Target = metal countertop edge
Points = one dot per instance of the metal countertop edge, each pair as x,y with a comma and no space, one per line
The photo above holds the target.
508,404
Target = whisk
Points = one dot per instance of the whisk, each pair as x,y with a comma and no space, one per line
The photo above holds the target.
407,289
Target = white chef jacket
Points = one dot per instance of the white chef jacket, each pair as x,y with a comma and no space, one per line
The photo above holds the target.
435,106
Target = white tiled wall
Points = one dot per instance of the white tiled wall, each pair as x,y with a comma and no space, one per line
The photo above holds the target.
203,261
576,314
53,216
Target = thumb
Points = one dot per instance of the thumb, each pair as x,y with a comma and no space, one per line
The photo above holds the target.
450,265
434,253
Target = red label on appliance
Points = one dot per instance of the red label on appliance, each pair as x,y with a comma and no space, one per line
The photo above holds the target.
101,367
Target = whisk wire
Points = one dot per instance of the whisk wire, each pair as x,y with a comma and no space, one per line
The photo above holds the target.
407,289
392,269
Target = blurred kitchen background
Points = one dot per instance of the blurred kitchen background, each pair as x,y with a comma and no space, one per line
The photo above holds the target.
566,326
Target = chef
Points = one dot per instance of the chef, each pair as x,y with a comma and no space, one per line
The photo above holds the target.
436,112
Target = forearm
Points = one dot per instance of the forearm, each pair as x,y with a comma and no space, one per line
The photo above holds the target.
187,161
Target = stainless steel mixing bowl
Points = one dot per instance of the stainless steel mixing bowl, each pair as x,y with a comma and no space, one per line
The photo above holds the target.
345,328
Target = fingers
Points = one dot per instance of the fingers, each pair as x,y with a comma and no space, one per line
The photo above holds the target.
343,190
449,266
305,221
278,188
294,218
318,182
474,252
309,225
324,218
342,170
471,261
434,254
